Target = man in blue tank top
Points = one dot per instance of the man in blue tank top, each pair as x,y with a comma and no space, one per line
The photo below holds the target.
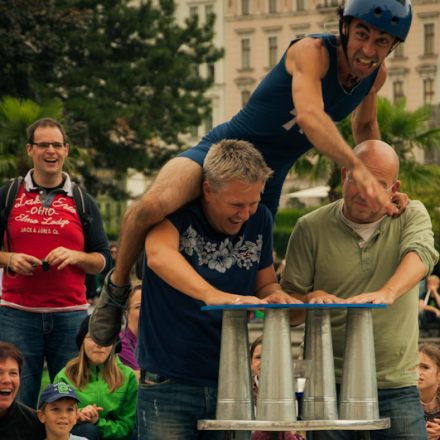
319,80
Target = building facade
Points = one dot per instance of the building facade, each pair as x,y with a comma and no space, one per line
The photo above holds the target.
257,32
203,9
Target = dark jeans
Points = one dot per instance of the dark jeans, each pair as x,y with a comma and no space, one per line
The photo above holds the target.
169,410
40,336
402,406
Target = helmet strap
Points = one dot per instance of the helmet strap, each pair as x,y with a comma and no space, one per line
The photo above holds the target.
395,44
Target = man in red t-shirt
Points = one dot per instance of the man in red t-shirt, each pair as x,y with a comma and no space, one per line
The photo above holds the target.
46,255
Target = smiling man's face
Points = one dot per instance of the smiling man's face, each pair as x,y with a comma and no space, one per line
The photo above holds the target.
230,206
48,152
9,383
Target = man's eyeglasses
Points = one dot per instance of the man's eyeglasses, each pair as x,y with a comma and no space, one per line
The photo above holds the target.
44,145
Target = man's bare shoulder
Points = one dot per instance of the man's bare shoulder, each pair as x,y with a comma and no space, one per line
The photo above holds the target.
309,46
307,52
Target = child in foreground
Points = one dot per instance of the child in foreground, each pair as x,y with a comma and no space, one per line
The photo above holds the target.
429,387
58,411
107,389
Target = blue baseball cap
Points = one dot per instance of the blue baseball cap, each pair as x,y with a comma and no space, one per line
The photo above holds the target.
55,392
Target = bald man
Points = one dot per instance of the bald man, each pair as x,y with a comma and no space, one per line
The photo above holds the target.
346,251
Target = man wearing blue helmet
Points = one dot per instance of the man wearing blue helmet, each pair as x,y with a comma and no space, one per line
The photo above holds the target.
319,80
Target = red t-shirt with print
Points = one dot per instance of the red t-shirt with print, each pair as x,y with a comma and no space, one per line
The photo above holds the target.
36,230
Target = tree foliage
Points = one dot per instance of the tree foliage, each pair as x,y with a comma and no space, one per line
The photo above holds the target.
126,73
35,41
15,117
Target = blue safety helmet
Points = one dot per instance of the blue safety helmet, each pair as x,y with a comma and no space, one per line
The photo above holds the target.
391,16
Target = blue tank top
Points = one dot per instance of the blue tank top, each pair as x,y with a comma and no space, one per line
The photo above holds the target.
268,119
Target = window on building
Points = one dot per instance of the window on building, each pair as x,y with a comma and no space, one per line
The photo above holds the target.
211,72
245,7
209,10
272,6
300,5
193,11
398,90
273,51
245,95
428,90
245,53
398,51
429,38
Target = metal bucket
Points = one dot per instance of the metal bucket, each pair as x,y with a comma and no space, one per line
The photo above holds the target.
319,401
234,395
359,399
276,401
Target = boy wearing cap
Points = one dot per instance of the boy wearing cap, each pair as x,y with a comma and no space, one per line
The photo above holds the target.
58,411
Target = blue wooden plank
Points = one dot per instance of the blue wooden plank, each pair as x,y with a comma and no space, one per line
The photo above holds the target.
294,306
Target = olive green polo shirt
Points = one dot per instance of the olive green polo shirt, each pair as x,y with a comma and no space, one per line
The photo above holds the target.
324,254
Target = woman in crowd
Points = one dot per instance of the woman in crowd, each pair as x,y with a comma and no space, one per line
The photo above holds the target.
428,385
128,335
107,389
17,421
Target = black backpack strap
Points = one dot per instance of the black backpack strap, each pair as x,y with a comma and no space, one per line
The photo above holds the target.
82,206
8,198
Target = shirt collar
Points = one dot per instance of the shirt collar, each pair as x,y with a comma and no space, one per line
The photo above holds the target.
30,186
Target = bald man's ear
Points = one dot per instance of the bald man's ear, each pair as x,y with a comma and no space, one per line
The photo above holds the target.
396,186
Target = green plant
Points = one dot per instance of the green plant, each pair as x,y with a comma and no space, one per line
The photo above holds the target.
284,224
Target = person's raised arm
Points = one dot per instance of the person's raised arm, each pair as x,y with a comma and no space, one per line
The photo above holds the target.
364,118
307,62
165,260
365,127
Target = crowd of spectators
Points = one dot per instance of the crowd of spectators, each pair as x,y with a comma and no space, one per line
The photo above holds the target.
194,256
